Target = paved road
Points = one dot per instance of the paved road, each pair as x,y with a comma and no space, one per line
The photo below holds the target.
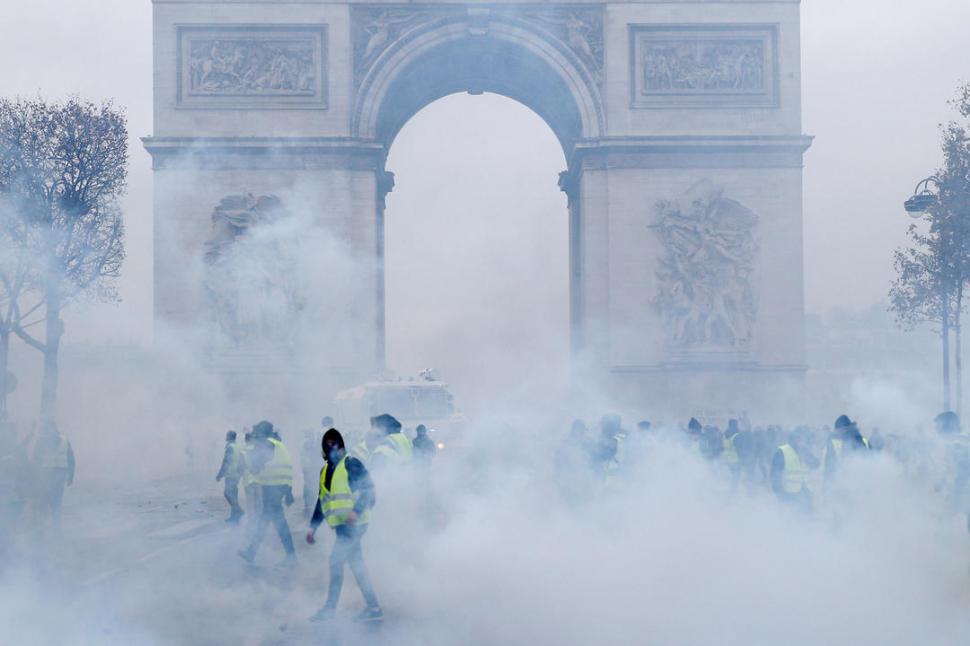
157,564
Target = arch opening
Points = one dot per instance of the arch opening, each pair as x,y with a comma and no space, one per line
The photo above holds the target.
507,60
477,248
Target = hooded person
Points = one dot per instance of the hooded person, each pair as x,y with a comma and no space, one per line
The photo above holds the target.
424,447
346,497
693,434
792,466
845,439
271,465
395,447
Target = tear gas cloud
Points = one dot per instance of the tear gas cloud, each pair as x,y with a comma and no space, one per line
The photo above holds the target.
509,541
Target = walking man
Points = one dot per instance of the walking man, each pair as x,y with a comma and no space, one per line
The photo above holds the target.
271,464
395,447
346,498
230,471
53,459
424,448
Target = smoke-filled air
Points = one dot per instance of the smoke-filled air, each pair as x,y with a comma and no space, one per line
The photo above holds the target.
427,324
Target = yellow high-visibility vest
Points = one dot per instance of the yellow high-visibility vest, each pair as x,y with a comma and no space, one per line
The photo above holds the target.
396,446
337,501
279,470
729,454
795,476
360,451
233,465
837,447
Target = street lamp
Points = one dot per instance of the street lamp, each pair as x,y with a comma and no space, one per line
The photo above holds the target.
923,197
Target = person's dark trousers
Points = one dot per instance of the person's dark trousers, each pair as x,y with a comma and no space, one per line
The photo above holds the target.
232,497
272,512
347,551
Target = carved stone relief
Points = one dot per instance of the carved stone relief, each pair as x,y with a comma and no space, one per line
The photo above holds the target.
378,28
246,66
251,278
704,66
375,29
580,28
705,297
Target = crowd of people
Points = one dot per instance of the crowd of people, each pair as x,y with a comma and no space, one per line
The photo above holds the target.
799,465
337,491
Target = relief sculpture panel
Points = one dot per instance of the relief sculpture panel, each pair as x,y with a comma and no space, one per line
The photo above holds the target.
705,296
252,277
576,28
250,66
709,66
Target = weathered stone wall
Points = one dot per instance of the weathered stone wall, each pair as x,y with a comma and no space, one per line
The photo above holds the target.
655,102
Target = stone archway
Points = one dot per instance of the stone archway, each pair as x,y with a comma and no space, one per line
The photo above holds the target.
681,124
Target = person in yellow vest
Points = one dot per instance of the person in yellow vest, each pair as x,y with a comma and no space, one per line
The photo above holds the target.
346,499
729,454
844,442
53,461
395,448
230,471
272,466
692,435
791,472
364,449
253,503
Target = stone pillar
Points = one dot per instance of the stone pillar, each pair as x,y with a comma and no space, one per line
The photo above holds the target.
333,192
734,328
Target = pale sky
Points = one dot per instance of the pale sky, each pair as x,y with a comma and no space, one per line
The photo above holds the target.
876,78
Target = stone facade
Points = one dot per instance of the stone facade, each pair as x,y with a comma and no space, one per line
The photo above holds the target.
680,120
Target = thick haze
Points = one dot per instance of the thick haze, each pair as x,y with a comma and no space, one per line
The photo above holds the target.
876,78
511,539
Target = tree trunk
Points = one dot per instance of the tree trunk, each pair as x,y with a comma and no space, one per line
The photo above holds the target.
4,367
54,331
957,359
946,352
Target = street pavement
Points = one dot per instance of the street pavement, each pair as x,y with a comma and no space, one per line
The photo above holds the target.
156,564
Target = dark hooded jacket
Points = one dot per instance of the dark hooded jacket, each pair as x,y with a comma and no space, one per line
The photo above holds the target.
357,475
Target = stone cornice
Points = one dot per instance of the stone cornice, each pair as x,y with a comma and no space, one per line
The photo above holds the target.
263,153
701,143
710,366
474,2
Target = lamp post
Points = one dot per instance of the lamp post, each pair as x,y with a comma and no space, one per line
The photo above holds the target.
917,206
923,197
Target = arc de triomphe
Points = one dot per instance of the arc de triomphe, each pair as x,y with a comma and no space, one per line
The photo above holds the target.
681,125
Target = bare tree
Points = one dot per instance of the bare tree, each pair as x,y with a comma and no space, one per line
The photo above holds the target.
934,271
954,206
924,291
15,272
63,169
